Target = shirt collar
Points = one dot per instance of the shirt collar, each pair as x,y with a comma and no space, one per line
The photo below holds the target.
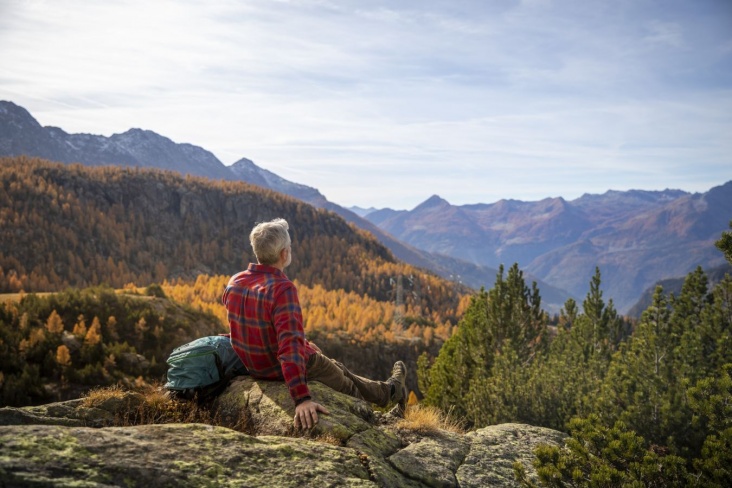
264,268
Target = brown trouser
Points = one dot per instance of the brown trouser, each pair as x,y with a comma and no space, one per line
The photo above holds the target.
334,375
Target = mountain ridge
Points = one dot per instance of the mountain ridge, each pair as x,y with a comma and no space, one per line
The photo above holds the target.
636,238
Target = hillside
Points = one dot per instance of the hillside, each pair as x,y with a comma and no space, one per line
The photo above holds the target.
58,346
635,237
64,225
22,135
674,286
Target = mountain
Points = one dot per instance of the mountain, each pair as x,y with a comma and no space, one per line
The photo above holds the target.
360,211
21,134
674,285
246,170
636,238
465,272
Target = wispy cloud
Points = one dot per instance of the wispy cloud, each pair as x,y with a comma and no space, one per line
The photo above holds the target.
384,103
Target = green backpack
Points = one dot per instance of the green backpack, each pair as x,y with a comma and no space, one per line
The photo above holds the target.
201,369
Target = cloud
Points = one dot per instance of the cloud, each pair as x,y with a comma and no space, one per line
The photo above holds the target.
501,99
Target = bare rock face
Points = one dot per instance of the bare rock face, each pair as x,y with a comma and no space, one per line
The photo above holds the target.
72,444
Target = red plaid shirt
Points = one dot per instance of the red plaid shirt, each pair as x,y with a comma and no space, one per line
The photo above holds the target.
266,327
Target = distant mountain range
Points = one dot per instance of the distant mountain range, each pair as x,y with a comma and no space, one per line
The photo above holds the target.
637,237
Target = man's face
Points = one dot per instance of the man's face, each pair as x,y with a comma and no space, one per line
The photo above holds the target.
289,256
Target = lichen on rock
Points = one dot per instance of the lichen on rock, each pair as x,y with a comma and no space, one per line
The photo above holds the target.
97,443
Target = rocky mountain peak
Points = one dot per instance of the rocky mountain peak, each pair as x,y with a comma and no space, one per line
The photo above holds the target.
246,170
433,202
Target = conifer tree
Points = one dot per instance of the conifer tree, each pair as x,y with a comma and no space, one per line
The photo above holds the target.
80,326
688,327
724,244
54,324
599,456
450,374
63,356
711,401
639,387
479,372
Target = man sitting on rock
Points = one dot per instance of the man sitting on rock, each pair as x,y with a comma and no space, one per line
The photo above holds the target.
267,332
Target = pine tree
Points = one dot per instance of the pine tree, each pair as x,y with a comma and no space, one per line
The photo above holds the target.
450,374
638,388
711,401
687,325
599,456
479,373
724,244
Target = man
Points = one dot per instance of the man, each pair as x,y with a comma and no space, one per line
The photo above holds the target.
267,333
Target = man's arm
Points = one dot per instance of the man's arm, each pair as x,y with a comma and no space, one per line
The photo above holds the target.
287,319
291,340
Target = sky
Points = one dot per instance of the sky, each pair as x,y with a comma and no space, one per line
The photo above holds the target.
385,103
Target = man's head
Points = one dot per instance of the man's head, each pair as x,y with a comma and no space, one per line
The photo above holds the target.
269,240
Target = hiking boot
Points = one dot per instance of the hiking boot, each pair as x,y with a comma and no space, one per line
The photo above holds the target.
398,381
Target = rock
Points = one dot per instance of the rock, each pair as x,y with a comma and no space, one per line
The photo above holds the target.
175,455
253,444
74,412
433,461
494,449
71,342
133,363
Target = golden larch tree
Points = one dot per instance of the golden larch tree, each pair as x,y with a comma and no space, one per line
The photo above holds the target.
54,324
80,326
94,334
63,356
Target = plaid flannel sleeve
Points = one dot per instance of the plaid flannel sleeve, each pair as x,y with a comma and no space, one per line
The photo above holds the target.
291,342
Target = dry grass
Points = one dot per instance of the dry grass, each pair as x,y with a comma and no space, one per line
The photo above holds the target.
15,297
99,396
429,420
151,405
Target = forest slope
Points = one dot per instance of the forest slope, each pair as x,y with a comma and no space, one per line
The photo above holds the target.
70,225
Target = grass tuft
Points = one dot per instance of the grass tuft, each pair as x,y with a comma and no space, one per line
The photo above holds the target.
99,396
429,420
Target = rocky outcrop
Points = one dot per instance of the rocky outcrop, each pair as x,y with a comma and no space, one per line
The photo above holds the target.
80,443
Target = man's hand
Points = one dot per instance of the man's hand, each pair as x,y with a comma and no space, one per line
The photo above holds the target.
306,414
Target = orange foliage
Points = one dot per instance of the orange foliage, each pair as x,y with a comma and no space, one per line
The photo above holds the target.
329,312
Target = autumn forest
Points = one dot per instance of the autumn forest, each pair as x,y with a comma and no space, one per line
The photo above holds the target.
105,270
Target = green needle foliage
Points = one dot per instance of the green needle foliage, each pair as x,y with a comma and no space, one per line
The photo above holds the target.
647,405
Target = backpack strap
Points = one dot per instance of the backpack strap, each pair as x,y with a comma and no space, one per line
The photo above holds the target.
208,393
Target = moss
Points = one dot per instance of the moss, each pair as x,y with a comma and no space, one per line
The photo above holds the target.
46,448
